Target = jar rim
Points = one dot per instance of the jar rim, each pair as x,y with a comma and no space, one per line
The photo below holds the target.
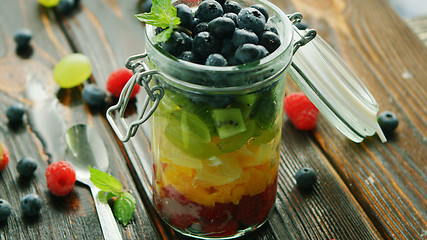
284,47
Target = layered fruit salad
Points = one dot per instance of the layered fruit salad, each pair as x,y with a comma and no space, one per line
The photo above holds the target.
216,154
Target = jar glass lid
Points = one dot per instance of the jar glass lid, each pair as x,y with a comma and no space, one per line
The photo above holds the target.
335,90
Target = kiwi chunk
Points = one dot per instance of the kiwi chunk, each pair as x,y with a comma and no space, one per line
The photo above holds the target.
235,142
188,132
228,122
245,103
265,110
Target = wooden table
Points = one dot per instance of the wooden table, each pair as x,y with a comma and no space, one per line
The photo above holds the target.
365,191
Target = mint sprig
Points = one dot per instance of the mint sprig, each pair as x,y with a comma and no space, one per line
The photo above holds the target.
110,187
162,15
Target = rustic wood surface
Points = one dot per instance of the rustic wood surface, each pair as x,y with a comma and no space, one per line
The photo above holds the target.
365,191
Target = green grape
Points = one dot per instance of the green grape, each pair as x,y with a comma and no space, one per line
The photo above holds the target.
49,3
72,70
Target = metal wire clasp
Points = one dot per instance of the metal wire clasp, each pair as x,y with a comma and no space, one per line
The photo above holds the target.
142,76
304,39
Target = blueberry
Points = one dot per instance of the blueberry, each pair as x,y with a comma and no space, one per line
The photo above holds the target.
177,43
231,16
251,19
205,44
270,41
216,59
388,121
93,96
233,61
242,36
209,10
301,26
31,204
249,52
185,15
5,210
221,26
262,9
232,7
26,166
228,48
189,56
22,37
270,27
66,6
201,27
15,113
306,178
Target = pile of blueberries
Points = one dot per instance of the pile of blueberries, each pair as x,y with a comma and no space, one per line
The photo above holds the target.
222,34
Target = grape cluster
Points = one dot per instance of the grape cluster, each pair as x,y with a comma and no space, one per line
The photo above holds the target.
222,33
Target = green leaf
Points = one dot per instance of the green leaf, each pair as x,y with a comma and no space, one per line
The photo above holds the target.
163,36
105,182
124,207
101,196
163,15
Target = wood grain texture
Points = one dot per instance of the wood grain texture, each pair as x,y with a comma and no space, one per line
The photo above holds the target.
388,180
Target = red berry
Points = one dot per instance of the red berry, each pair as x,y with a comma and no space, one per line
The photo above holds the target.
301,111
219,212
118,79
221,228
171,192
182,220
60,178
4,160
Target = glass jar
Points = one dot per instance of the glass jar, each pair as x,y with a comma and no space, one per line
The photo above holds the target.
216,137
216,131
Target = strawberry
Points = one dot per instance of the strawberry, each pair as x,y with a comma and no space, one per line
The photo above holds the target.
4,160
301,111
118,79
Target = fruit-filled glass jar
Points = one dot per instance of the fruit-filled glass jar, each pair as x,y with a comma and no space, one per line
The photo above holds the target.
216,137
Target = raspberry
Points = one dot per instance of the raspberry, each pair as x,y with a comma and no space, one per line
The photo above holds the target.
219,212
182,220
60,178
4,160
221,228
118,79
301,111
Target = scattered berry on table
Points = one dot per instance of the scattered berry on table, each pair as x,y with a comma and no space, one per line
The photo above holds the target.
26,166
60,178
66,6
232,7
15,113
270,41
306,178
23,37
222,26
209,10
185,15
5,210
388,121
301,111
4,159
93,95
118,79
216,59
31,204
251,19
72,70
145,6
48,3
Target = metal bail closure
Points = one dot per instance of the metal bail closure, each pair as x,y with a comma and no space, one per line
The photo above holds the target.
335,90
142,76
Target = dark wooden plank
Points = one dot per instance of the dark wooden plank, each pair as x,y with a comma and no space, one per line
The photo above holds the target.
388,180
30,82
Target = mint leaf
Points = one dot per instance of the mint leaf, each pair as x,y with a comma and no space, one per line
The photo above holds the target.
124,208
105,182
162,15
